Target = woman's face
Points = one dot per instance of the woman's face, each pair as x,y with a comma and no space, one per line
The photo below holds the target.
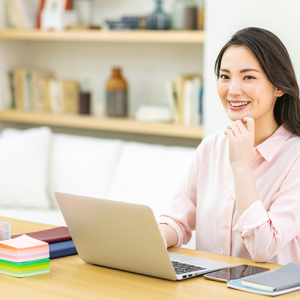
244,88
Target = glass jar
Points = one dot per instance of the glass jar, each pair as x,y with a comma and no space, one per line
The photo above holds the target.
184,15
158,20
85,10
178,14
85,98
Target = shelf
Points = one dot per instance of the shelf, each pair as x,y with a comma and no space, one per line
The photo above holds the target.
140,36
106,124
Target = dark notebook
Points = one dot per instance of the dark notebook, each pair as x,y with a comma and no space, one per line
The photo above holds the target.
53,235
61,249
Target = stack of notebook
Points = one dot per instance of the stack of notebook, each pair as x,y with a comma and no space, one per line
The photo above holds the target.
59,239
24,256
273,283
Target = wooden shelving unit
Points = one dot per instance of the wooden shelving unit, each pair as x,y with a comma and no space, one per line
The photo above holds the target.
107,124
140,36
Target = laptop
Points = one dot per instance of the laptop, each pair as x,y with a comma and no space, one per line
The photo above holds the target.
125,236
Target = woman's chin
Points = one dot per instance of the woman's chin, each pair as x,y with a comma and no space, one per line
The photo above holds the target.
236,116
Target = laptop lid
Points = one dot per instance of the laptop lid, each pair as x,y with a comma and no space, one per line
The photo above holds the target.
123,236
117,235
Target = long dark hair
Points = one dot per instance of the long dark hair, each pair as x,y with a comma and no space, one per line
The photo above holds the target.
277,65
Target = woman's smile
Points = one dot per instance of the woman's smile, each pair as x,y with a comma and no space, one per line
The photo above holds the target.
238,105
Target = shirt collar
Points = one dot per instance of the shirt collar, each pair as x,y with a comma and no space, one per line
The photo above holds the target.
270,146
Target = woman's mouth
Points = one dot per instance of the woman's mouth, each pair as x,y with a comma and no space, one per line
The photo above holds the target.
238,105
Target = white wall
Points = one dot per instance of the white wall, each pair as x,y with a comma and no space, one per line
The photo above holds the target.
223,19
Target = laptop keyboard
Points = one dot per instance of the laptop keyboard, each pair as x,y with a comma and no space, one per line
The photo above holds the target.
181,268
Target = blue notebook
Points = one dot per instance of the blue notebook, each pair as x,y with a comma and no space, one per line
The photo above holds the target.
237,284
61,249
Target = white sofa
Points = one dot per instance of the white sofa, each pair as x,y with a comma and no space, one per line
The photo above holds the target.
35,163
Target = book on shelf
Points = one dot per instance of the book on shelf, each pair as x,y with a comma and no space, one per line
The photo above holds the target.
26,14
273,283
38,90
21,14
24,89
185,99
64,96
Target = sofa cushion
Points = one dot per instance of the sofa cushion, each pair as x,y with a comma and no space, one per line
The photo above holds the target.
82,165
24,161
150,174
39,215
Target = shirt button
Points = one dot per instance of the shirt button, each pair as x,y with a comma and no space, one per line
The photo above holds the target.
225,253
232,197
227,226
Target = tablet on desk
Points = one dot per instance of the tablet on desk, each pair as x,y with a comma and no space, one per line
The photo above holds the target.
234,273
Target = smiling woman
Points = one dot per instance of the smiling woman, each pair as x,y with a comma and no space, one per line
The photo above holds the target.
242,193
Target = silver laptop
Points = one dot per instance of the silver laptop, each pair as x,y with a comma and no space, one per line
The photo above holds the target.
125,236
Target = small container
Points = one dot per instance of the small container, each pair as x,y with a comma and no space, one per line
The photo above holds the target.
191,17
185,15
85,98
85,11
116,95
5,231
178,14
158,20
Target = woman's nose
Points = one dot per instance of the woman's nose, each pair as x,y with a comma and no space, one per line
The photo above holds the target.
235,88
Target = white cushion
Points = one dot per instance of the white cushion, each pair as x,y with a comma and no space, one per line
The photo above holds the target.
24,161
44,216
150,174
82,165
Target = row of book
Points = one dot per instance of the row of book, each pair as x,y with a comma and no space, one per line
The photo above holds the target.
185,99
39,90
26,14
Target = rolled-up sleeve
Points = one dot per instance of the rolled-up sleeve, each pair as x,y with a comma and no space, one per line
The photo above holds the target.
181,214
267,231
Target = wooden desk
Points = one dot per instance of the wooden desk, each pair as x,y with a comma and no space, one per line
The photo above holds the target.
71,278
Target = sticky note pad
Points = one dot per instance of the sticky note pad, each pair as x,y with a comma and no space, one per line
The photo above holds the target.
24,269
23,249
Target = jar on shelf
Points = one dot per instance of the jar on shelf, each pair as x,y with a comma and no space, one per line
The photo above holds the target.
191,15
85,10
178,14
116,95
185,15
201,16
158,20
85,98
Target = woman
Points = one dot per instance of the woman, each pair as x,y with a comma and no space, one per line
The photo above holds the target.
242,193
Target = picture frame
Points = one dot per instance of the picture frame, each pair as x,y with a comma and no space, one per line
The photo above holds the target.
56,5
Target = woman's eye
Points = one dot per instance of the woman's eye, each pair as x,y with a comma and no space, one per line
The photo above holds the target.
249,77
224,77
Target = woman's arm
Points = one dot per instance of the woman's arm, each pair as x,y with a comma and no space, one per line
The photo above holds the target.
264,232
241,142
168,234
177,223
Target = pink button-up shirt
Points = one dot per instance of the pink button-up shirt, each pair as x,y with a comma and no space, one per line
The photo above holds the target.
268,230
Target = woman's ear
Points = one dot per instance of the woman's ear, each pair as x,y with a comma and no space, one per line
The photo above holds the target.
278,93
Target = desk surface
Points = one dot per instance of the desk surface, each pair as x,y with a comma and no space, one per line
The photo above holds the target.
71,278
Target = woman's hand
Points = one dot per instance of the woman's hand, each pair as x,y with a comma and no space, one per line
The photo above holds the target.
241,143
